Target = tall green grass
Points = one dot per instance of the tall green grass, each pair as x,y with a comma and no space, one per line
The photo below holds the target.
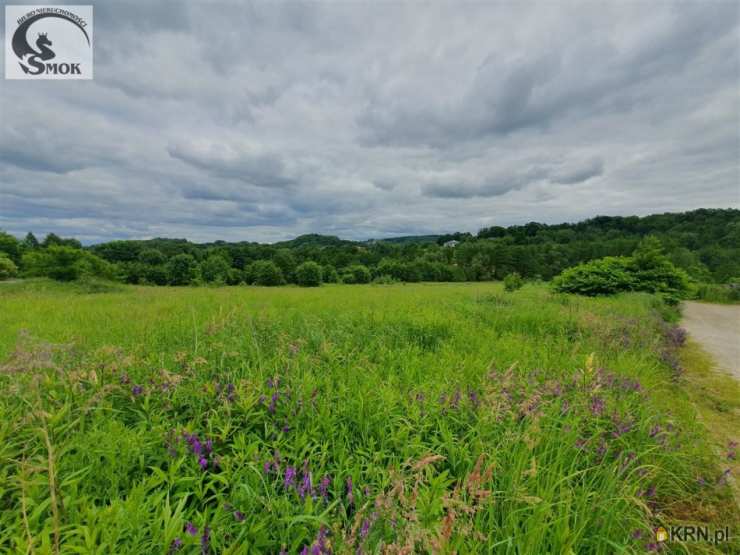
718,293
466,419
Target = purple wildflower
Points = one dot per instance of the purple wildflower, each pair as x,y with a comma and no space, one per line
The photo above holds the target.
230,392
601,449
474,400
239,516
365,528
622,427
289,479
175,545
191,529
636,534
324,487
267,467
655,430
350,495
597,406
205,541
137,390
306,488
632,385
194,443
455,399
209,446
273,403
203,463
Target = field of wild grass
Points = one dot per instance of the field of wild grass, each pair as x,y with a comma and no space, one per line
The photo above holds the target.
367,419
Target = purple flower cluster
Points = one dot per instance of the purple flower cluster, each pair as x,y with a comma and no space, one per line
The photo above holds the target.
301,482
676,336
350,494
205,541
273,402
648,493
732,450
453,401
597,406
324,487
227,392
621,427
289,479
319,546
175,546
203,451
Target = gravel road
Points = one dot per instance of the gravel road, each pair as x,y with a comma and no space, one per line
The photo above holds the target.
717,328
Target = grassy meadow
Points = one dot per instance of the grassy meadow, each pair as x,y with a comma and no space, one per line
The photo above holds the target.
425,418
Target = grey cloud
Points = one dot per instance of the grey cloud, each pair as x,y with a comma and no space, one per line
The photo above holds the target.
261,121
466,185
483,187
239,161
577,172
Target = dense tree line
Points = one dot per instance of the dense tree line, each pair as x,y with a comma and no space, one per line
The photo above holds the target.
704,243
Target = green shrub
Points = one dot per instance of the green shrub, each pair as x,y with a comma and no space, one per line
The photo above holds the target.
329,274
152,257
215,269
384,279
356,273
604,276
10,246
8,269
647,270
308,274
182,269
64,263
513,281
266,272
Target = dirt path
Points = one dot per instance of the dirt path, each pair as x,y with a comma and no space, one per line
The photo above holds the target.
717,328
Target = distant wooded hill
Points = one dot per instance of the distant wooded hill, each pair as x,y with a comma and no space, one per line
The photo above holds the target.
705,243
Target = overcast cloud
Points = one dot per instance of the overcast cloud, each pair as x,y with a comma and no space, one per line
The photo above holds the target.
263,121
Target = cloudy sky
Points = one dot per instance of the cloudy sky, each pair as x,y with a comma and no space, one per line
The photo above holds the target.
257,121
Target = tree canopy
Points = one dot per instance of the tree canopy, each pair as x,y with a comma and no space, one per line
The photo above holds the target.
705,244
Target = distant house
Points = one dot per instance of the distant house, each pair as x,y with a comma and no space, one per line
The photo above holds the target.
451,244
